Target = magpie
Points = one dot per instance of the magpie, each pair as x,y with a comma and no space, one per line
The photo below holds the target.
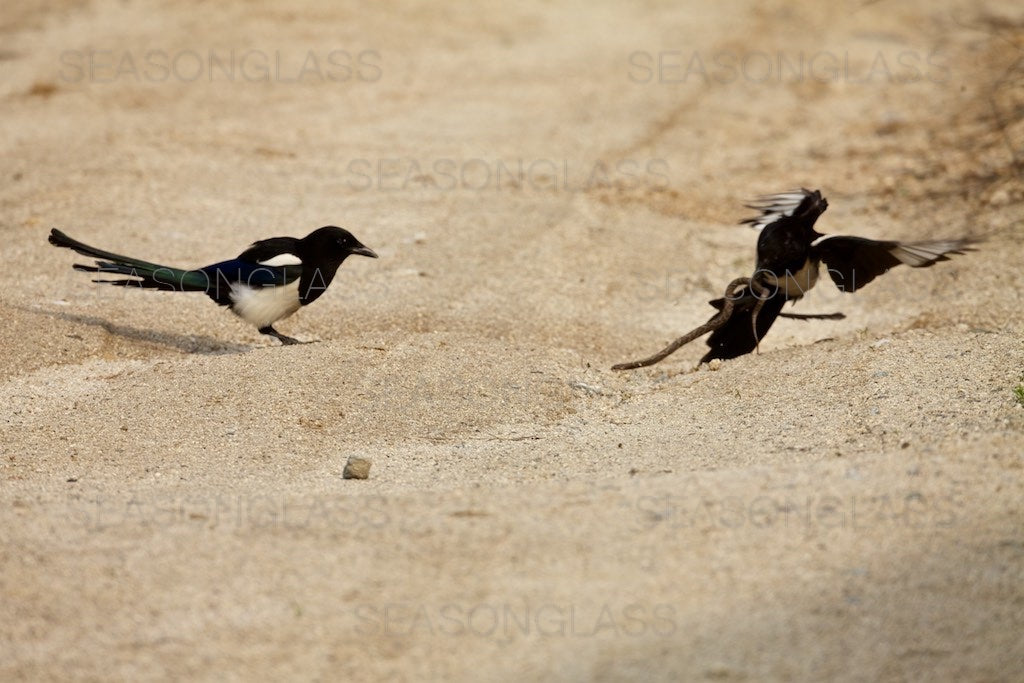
268,282
789,257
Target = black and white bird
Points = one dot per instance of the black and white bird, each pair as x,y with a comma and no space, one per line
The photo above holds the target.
790,253
268,282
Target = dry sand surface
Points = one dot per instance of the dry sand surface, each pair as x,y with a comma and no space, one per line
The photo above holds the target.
845,505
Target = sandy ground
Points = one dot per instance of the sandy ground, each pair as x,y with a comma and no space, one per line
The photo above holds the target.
552,188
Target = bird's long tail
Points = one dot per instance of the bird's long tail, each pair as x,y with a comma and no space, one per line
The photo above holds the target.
145,274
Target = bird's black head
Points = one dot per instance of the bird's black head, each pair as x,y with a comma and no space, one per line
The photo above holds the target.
334,243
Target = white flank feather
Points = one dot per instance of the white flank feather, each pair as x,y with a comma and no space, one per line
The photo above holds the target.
794,285
264,306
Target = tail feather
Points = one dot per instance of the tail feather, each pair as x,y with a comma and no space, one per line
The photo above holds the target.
60,239
147,275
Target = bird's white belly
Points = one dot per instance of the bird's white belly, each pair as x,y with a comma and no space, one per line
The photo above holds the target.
264,306
795,285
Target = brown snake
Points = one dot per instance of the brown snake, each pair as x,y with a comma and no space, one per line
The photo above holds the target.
710,326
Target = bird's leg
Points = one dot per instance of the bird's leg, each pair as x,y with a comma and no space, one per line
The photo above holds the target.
813,316
710,326
761,293
285,339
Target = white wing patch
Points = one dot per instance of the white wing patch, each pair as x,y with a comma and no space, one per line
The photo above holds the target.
775,206
285,259
264,306
917,254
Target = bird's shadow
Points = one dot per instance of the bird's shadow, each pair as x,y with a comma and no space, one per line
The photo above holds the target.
190,343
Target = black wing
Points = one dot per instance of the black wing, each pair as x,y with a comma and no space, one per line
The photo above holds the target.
265,250
853,262
736,337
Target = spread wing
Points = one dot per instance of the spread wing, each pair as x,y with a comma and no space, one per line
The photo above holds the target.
772,207
853,262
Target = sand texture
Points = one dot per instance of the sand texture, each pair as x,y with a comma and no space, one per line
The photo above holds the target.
552,188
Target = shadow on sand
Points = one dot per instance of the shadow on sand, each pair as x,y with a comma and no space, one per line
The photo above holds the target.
187,343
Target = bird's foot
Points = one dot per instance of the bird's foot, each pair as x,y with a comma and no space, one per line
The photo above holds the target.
283,338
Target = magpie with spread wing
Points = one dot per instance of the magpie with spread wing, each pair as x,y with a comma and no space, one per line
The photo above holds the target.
268,282
790,253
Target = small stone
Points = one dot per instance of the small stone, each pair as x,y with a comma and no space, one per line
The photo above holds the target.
357,468
881,342
592,389
999,198
714,363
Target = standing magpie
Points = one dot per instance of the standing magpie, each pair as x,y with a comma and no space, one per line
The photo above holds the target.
789,255
268,282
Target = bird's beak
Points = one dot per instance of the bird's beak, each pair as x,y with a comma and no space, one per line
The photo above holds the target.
363,251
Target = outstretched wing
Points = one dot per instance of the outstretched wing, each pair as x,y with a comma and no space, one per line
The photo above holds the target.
852,262
772,207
